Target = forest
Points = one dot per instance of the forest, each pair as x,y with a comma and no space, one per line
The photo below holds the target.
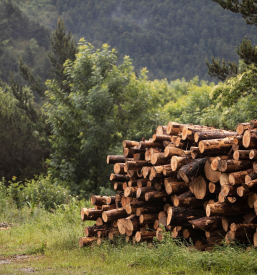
65,104
77,78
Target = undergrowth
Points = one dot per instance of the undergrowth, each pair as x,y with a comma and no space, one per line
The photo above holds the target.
50,238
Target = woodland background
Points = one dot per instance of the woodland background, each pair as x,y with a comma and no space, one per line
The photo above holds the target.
64,105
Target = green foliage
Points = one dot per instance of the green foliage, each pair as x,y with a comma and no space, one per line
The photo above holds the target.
106,103
39,192
20,36
171,38
23,145
188,108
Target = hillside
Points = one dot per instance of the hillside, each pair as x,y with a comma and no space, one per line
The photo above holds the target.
171,38
20,36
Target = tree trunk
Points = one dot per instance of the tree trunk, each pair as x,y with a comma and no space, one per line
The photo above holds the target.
241,127
144,236
225,209
241,154
161,138
114,214
250,139
216,145
207,223
177,162
86,241
192,169
142,191
129,143
200,187
172,186
159,159
172,151
150,196
236,178
208,135
119,178
136,165
231,165
161,130
89,214
112,159
148,218
181,215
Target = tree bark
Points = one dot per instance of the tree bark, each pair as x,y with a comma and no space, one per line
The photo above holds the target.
241,154
86,241
208,135
207,223
216,145
225,209
192,169
112,159
236,178
129,143
114,214
231,165
119,177
177,162
181,216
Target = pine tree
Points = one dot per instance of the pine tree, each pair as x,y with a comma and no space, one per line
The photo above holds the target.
63,48
246,51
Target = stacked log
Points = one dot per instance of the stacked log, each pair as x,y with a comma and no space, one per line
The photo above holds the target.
193,181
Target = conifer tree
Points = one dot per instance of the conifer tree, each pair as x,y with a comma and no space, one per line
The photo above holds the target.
246,51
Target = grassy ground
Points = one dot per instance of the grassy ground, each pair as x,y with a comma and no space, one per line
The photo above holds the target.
47,243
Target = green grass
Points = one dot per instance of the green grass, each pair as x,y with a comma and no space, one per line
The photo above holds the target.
47,243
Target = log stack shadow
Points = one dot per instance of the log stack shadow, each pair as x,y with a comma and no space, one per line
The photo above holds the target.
194,181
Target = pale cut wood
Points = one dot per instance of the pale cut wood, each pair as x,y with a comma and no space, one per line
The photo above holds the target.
253,154
241,127
207,223
210,174
215,161
232,165
224,179
215,144
145,236
241,154
214,188
172,151
228,190
161,138
225,209
207,135
112,159
200,187
146,171
242,192
172,186
86,241
161,130
250,139
237,178
174,128
129,143
111,215
227,221
177,162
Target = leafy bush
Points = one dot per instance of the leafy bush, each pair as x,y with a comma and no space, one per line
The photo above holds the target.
38,192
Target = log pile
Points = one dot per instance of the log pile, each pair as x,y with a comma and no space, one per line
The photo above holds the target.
197,182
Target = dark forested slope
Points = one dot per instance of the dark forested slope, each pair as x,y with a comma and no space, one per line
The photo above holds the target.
20,36
171,38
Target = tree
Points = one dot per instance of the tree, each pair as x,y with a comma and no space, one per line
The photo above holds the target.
106,102
246,51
